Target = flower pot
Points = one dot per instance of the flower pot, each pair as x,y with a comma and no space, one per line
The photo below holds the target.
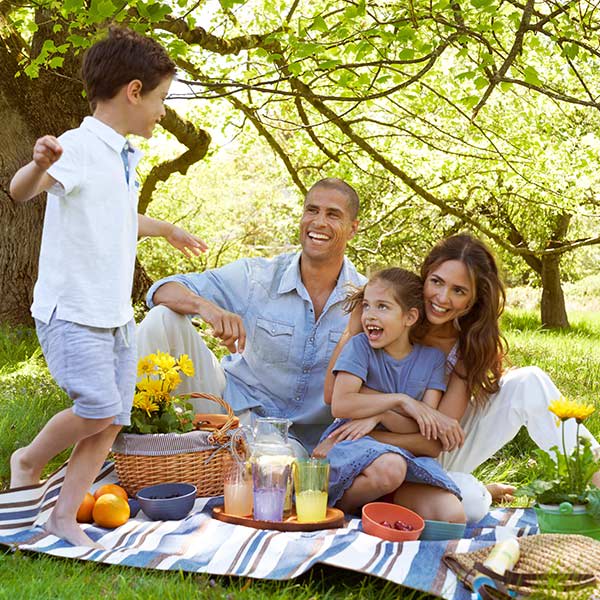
566,518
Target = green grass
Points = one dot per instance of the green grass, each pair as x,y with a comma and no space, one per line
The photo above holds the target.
29,397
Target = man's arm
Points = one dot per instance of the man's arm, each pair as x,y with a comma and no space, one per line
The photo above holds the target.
226,326
184,241
33,179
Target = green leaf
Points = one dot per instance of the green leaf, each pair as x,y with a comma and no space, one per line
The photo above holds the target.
481,83
531,76
406,54
319,24
56,62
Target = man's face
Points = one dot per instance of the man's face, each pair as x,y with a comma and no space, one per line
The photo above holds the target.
326,225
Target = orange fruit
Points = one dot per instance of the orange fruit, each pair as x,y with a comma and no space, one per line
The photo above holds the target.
84,512
111,488
110,511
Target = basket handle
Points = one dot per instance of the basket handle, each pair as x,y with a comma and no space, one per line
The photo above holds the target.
220,434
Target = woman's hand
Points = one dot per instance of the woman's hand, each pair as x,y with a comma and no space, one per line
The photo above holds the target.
434,424
355,428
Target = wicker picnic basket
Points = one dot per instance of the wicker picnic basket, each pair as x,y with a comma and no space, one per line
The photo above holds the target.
559,566
198,457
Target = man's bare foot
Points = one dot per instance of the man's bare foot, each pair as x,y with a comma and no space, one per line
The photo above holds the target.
21,473
70,531
501,492
323,448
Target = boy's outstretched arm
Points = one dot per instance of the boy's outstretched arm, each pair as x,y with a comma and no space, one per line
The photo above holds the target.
33,179
184,241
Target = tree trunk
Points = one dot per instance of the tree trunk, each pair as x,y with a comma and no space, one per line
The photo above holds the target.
28,109
554,312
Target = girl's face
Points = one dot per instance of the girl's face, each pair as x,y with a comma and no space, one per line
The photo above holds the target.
384,321
448,292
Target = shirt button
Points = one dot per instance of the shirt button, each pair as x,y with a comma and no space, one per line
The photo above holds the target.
311,340
305,370
297,398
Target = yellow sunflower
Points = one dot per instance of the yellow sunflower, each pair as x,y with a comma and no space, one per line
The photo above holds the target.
570,409
150,386
163,360
144,402
186,365
145,366
172,379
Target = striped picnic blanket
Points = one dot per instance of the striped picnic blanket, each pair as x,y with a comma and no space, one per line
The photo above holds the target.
204,545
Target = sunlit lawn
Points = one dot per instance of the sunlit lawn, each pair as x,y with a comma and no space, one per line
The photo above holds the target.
29,397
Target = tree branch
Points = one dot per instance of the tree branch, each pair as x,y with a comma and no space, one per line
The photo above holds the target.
197,140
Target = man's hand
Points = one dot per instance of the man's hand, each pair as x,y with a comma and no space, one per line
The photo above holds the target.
46,152
226,326
355,428
185,242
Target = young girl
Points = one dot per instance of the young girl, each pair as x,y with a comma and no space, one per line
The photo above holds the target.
383,359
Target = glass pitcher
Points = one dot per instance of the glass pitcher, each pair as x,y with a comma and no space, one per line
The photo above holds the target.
267,442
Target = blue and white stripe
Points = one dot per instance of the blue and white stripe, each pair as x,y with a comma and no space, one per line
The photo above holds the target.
203,545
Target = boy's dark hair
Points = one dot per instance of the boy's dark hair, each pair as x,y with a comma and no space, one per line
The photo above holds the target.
121,57
406,287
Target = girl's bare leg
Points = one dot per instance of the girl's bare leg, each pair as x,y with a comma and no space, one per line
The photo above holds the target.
382,476
430,502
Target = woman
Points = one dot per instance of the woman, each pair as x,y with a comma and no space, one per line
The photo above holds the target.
464,298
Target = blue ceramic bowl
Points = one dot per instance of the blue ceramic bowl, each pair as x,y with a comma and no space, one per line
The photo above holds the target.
442,530
167,501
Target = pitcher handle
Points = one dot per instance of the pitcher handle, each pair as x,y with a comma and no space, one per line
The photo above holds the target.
233,441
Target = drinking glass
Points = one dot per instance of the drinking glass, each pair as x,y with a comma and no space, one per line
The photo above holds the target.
311,482
238,489
270,477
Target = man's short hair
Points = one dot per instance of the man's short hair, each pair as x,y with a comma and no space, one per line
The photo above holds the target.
121,57
333,183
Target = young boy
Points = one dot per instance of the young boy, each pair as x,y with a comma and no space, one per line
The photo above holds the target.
82,298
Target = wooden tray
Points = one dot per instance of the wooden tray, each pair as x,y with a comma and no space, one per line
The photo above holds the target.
333,520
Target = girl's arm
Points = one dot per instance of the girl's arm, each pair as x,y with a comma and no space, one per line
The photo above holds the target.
349,402
451,409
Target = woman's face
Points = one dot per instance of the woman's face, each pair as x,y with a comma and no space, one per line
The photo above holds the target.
448,292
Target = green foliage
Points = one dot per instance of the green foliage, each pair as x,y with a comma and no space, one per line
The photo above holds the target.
564,479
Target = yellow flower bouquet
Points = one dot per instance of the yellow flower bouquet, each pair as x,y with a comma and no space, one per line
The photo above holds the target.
155,407
568,476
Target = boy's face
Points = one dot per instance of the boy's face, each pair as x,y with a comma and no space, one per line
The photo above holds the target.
150,109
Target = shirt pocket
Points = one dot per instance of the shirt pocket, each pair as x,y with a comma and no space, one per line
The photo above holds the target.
332,341
415,388
272,340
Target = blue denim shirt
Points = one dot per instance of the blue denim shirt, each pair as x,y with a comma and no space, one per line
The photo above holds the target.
281,372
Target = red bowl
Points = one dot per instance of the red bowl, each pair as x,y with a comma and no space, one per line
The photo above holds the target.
375,512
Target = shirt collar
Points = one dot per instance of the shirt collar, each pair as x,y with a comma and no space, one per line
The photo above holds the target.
292,279
106,133
291,276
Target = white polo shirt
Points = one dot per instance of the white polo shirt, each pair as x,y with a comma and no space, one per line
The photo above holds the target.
87,257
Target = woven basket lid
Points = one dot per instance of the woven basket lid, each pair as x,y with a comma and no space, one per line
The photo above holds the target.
556,556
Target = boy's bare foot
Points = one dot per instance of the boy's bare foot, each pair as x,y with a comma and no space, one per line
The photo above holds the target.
323,448
501,492
70,531
21,473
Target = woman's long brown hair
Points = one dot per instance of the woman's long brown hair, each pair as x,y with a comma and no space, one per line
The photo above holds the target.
481,346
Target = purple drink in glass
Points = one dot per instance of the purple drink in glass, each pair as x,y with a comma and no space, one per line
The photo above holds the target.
268,503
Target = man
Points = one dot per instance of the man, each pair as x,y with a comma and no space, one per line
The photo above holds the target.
280,318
